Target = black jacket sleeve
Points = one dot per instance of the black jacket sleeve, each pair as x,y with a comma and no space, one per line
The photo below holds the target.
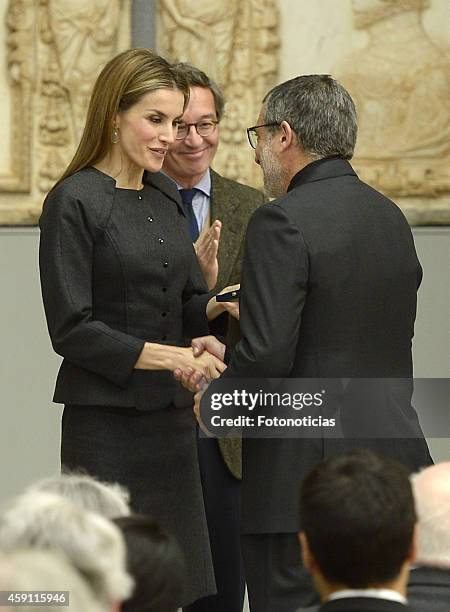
273,290
68,231
195,299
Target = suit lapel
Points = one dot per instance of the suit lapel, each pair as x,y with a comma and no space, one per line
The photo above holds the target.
165,185
225,207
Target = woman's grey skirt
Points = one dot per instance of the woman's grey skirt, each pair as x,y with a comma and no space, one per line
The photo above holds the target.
154,455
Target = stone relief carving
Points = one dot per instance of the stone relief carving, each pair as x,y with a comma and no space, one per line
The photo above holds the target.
56,49
400,82
21,77
236,43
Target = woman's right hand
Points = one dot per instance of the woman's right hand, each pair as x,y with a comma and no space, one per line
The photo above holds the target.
180,359
206,365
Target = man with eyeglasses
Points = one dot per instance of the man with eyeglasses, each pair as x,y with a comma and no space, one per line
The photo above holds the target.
328,291
218,210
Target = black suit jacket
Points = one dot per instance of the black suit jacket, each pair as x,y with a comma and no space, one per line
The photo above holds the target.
329,286
114,276
429,589
363,604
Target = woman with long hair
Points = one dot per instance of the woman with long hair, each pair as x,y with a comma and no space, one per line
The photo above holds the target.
123,296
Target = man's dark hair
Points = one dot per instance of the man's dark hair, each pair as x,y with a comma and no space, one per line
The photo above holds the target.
156,564
319,110
197,78
357,512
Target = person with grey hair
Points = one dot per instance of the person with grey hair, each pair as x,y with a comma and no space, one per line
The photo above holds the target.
36,570
429,579
328,291
92,544
111,500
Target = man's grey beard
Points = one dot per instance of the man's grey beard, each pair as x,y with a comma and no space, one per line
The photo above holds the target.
273,173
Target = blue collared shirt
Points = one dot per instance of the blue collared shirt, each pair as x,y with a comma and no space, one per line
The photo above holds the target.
201,202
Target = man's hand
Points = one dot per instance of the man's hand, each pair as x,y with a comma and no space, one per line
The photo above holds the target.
210,344
207,247
191,378
215,308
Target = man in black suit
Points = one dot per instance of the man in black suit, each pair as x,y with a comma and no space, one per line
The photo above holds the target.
429,580
328,291
358,532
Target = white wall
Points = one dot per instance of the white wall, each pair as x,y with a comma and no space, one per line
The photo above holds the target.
29,431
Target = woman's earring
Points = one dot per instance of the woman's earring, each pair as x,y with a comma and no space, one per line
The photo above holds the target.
115,136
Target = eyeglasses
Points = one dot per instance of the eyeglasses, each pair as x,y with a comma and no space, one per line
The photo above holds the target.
203,128
252,134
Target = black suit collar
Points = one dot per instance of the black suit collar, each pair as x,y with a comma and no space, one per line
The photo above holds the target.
163,183
329,167
427,574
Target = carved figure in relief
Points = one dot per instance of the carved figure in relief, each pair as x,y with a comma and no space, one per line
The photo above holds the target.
78,38
201,32
19,21
401,85
84,36
55,49
236,43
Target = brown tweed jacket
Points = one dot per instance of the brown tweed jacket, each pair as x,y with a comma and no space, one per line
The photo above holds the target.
234,204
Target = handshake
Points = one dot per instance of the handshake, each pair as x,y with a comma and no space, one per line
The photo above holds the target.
208,354
201,363
197,366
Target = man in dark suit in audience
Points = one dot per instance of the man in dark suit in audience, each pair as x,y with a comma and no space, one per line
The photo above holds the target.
357,534
429,580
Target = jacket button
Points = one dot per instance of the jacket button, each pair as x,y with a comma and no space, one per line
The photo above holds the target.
161,240
164,314
140,197
164,289
165,264
150,219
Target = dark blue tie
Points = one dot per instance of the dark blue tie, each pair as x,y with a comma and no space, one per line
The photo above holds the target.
187,195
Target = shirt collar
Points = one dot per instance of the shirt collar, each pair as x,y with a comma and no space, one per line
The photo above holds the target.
204,184
326,167
375,593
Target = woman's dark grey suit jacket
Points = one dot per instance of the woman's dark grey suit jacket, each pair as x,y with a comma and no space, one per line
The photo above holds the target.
113,278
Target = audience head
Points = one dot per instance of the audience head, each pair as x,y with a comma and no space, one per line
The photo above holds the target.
357,523
156,564
108,499
432,494
301,120
91,543
195,146
35,570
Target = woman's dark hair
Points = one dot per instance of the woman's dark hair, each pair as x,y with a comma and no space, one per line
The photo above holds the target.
156,564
